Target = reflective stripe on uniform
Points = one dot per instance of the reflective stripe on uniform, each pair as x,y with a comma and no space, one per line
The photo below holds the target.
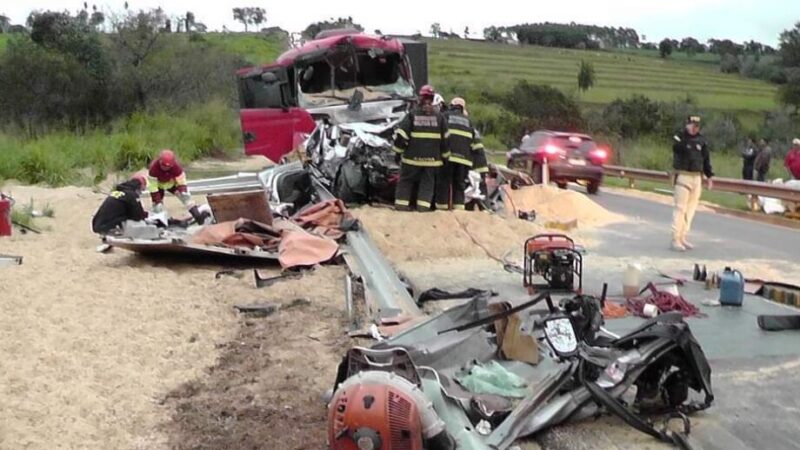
425,135
463,133
424,204
414,162
478,146
401,132
459,207
482,169
677,138
397,149
459,160
401,202
447,155
442,206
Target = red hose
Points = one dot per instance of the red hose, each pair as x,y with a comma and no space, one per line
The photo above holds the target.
665,302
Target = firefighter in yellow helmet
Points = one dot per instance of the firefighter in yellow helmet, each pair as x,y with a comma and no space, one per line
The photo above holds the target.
420,141
463,145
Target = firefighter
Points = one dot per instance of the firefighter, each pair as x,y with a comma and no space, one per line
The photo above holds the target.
420,143
166,175
691,162
463,142
121,205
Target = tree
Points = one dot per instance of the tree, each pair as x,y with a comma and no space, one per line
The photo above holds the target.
189,21
789,49
789,93
492,34
249,16
136,37
691,46
586,76
5,24
665,48
436,30
315,28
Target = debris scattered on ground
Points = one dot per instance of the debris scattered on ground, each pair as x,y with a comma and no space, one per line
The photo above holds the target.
259,310
9,260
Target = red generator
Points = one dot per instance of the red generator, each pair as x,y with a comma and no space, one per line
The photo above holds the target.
554,258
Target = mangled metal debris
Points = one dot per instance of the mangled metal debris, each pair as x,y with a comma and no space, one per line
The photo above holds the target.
658,368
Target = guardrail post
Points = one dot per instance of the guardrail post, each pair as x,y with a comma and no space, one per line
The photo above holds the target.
631,183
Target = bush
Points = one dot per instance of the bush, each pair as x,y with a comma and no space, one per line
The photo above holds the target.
41,166
542,106
729,64
723,132
491,119
631,117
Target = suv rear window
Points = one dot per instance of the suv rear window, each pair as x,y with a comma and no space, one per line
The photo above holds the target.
575,143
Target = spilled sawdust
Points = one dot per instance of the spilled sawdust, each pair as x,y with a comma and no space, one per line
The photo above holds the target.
405,237
92,343
554,204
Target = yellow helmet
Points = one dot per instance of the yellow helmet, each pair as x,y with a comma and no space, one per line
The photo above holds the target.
458,101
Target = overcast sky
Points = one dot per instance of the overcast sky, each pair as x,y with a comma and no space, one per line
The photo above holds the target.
737,20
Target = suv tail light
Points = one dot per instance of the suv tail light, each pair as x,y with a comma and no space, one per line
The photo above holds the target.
600,154
551,150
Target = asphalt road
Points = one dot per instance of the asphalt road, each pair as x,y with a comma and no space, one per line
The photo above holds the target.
716,236
757,402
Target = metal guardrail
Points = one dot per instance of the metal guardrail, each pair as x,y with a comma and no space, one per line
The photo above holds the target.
743,187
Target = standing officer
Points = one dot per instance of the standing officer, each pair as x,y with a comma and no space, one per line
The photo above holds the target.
420,141
691,162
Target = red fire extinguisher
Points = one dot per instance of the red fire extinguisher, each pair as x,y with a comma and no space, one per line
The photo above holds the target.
6,203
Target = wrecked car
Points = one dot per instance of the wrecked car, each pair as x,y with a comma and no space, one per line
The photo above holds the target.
484,374
339,98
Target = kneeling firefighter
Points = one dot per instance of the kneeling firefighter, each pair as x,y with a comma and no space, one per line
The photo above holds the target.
167,175
121,205
463,142
419,140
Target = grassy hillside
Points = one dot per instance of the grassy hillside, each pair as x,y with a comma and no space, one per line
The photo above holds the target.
3,41
253,47
472,65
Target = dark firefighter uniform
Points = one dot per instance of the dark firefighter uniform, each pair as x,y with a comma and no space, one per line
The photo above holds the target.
463,145
121,204
420,140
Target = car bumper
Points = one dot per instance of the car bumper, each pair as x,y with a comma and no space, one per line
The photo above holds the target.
575,173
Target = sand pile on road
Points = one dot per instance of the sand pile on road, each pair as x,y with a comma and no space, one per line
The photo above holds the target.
563,205
89,342
459,234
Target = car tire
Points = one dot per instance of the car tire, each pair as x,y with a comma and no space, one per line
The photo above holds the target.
561,184
593,187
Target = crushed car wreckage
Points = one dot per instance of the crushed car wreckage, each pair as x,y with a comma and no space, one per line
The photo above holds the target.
406,392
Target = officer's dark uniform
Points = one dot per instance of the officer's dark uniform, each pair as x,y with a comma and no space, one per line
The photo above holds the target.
463,143
419,139
121,204
690,154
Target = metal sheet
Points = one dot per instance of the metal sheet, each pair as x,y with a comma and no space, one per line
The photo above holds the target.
178,247
9,260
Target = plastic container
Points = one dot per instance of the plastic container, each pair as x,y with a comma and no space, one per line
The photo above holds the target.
731,287
631,281
5,215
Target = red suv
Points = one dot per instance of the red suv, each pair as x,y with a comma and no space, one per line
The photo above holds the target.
570,157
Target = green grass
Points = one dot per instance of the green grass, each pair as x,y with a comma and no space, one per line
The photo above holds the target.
67,158
255,48
4,41
460,65
724,199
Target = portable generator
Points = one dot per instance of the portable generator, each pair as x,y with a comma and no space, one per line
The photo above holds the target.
554,258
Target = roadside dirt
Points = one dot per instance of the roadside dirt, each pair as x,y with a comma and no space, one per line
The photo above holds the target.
265,390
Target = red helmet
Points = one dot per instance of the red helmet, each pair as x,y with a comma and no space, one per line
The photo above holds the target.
427,91
141,177
166,159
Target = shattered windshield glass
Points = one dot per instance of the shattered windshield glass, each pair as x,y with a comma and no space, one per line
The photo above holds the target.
336,79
